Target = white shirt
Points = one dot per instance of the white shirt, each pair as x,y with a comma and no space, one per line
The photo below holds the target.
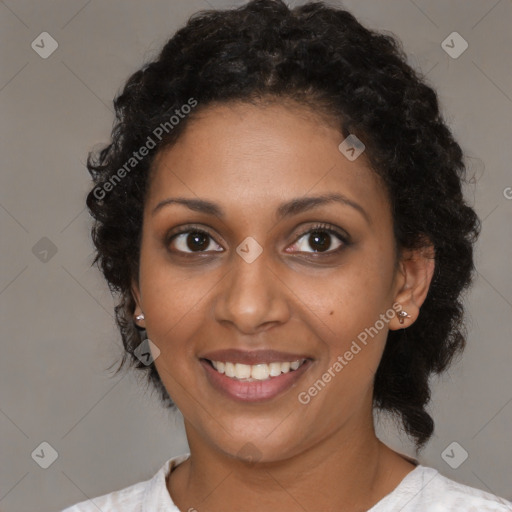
423,489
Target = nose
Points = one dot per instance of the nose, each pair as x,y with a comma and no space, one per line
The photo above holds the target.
252,297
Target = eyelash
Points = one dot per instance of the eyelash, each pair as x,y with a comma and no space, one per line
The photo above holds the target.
321,227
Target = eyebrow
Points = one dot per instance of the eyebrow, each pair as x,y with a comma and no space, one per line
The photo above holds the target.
288,209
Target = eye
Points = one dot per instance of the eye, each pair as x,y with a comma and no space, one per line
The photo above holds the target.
191,241
320,238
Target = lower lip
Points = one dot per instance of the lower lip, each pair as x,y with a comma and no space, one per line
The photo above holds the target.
257,390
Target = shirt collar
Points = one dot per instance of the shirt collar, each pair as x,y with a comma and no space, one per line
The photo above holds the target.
156,496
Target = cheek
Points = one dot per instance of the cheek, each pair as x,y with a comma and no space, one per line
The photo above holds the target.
352,339
344,312
174,318
173,310
171,302
348,299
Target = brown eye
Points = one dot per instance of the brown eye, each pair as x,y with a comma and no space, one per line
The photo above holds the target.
192,241
321,239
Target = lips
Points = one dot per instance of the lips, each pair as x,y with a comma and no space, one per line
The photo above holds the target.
250,389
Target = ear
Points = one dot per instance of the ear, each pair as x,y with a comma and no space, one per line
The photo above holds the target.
138,304
416,269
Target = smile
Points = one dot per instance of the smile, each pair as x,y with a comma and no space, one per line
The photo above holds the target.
254,382
261,372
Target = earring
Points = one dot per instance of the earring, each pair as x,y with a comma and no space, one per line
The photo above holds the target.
140,317
401,315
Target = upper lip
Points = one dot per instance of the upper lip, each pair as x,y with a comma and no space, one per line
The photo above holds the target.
234,355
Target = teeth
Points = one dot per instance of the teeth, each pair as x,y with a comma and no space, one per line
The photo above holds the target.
259,371
242,371
275,369
256,371
229,369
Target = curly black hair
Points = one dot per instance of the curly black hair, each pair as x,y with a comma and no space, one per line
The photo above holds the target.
323,58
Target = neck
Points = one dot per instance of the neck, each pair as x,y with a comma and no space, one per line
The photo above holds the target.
354,468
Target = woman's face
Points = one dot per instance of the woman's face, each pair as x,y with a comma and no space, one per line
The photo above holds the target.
261,279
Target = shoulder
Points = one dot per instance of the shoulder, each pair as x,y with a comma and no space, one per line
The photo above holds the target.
127,500
425,489
148,495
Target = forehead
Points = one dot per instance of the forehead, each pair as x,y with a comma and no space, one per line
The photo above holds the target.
254,157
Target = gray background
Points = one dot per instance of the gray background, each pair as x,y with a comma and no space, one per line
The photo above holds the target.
58,334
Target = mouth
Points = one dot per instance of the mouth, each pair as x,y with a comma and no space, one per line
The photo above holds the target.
254,382
255,372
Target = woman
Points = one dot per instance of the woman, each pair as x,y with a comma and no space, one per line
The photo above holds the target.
280,213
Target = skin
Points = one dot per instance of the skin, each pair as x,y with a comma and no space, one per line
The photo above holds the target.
294,298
